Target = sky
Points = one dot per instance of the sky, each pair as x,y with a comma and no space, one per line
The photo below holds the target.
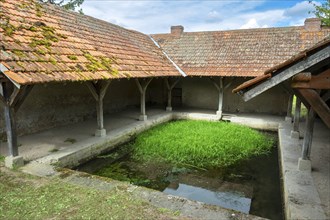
157,16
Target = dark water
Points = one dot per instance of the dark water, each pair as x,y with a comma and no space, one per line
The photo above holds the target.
253,186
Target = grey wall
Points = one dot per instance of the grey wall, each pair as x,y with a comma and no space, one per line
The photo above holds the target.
201,93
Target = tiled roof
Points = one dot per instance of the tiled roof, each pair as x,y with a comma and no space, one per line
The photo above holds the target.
246,53
44,43
286,64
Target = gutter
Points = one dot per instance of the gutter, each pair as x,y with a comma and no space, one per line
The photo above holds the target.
174,64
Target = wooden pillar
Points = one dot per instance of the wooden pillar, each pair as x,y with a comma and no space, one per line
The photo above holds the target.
295,131
10,121
220,89
307,143
12,98
98,91
304,163
142,89
289,110
169,93
11,130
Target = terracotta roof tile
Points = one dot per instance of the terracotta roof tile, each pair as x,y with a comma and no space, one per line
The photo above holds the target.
245,53
43,43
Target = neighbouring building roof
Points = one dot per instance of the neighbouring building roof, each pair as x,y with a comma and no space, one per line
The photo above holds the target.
245,53
273,71
43,43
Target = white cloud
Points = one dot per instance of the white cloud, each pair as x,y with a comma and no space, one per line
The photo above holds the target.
157,16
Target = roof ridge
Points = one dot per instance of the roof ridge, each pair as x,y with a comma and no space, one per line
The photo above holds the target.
242,30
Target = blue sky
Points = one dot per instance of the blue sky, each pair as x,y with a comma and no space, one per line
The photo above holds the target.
156,16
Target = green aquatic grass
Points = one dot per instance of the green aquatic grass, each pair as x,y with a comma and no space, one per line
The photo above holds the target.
200,144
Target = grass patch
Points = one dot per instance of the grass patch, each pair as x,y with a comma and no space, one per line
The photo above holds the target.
200,144
27,197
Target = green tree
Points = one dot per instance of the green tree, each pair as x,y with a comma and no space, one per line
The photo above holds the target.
67,4
323,12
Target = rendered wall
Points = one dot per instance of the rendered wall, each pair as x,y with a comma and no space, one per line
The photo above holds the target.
201,93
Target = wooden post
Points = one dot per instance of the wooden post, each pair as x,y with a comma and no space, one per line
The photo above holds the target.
98,91
307,143
11,130
289,110
220,89
169,93
295,131
143,88
9,120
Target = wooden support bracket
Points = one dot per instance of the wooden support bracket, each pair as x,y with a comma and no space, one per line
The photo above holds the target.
12,98
219,86
143,88
98,91
318,105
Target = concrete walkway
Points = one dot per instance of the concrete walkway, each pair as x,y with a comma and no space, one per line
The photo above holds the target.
306,194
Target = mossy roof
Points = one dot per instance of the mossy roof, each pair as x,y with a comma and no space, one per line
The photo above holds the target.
43,43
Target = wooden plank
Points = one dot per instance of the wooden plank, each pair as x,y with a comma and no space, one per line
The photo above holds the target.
288,73
318,105
251,82
308,137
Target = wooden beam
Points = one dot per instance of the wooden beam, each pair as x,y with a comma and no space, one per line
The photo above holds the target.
318,105
288,73
320,81
25,91
92,88
302,77
308,138
302,98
